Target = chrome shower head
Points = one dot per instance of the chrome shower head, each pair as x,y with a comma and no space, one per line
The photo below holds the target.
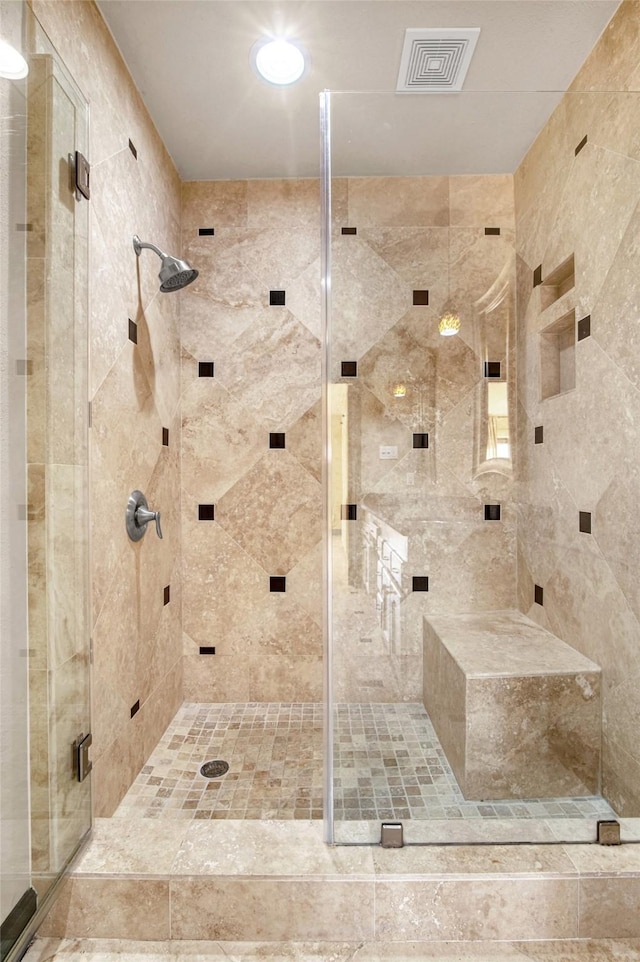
174,273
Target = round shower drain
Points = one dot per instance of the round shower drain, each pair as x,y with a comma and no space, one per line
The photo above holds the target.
214,769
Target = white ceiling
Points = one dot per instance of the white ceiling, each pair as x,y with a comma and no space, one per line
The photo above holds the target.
190,61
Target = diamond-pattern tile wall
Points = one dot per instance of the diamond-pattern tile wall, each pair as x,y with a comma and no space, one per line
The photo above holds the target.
585,204
267,366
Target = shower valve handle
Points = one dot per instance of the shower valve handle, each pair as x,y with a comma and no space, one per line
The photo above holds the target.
138,516
143,517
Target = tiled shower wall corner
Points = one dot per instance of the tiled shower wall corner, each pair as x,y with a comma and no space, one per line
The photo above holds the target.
251,370
578,194
135,393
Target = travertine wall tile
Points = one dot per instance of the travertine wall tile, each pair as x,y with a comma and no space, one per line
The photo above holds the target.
584,205
135,393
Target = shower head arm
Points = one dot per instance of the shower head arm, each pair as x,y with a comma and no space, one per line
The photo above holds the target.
138,245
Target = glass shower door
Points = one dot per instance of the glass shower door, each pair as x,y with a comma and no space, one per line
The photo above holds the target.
423,476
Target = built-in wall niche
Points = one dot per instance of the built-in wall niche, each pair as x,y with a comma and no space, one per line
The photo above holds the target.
557,283
558,357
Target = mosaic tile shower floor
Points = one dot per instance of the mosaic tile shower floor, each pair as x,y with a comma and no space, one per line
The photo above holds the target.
389,764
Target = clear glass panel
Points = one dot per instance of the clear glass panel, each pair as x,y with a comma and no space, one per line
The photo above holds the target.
57,438
45,636
468,696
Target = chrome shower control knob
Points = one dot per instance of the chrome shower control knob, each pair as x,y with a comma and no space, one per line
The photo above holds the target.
138,516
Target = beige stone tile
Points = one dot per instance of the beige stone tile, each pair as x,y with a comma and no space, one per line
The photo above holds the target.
609,908
213,204
620,773
126,443
275,951
482,201
529,860
211,614
438,952
233,909
282,848
99,950
115,768
283,203
223,302
159,352
605,860
419,255
110,909
611,950
219,678
273,512
305,584
473,910
611,63
131,846
304,440
615,300
399,201
368,298
221,440
274,369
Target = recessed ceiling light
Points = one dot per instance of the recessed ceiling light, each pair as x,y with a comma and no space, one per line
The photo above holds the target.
13,66
280,62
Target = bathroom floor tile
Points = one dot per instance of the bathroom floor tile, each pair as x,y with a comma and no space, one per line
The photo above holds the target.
389,764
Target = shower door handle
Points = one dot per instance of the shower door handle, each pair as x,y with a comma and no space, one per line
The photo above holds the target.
138,516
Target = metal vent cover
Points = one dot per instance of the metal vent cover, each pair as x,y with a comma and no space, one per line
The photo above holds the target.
436,60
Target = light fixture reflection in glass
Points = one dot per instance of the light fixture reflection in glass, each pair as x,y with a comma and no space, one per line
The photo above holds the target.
280,62
449,324
400,390
13,66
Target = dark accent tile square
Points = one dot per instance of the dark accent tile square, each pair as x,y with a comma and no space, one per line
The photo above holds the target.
135,708
583,143
349,369
206,231
584,327
277,583
349,512
495,231
538,434
276,440
206,512
165,437
420,583
167,594
585,522
132,148
492,368
205,368
133,331
537,276
277,298
349,230
207,649
421,298
492,512
538,595
421,440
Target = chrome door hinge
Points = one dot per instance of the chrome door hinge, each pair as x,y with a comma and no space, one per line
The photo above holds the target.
80,753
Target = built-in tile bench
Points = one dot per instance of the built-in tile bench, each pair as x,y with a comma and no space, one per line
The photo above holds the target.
516,709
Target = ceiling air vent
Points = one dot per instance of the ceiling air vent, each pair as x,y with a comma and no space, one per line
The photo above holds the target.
436,60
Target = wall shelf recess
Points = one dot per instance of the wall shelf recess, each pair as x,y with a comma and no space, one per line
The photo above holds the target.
557,283
558,357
